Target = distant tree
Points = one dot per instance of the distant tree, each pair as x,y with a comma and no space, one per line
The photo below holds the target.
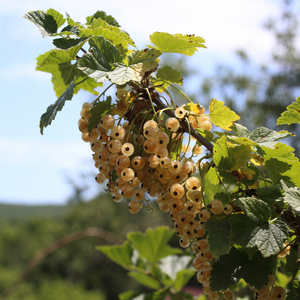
260,93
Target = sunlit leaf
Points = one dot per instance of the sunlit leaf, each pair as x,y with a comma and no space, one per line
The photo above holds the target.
221,115
177,43
291,115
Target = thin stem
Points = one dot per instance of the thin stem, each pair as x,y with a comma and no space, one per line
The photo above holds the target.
97,99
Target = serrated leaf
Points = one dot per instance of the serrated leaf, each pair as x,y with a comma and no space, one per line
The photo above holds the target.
66,43
254,229
165,76
98,110
145,280
292,197
235,265
231,160
52,110
221,115
218,237
103,16
123,74
47,22
99,60
294,290
193,107
177,43
121,255
269,194
281,163
153,243
52,57
212,176
291,115
292,261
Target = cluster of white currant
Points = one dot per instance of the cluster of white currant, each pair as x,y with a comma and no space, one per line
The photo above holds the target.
270,291
135,160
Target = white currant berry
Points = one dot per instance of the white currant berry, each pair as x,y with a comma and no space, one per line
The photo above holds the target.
172,124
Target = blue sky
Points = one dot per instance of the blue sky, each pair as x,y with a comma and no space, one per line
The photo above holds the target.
34,168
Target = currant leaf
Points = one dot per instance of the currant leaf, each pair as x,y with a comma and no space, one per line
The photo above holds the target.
221,115
291,115
177,43
52,110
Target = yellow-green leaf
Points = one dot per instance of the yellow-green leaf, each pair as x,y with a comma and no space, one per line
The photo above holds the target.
221,115
177,43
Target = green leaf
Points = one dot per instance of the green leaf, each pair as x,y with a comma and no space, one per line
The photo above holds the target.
181,295
212,176
48,22
218,237
103,16
130,295
66,43
122,74
99,60
53,57
206,134
98,110
269,194
52,110
182,278
146,280
252,228
221,115
294,290
165,76
291,115
235,265
281,163
177,43
231,160
292,197
292,261
153,243
119,254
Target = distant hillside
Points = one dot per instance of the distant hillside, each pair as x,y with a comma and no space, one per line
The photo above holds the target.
22,212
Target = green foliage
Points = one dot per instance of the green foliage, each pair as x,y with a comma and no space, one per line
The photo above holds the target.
152,263
292,115
177,43
97,112
235,265
221,115
258,176
52,110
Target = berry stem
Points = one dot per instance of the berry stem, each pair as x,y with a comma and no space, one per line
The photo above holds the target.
184,124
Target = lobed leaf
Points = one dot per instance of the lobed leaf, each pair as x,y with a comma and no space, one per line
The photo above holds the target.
52,110
145,280
103,16
177,43
292,197
153,243
291,115
252,228
294,290
235,265
221,115
165,76
121,255
98,110
218,238
47,22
